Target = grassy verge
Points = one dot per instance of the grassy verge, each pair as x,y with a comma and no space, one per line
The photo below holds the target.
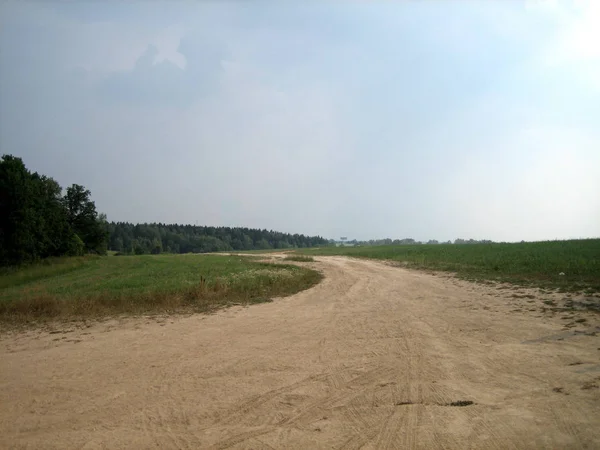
569,266
92,287
11,277
299,258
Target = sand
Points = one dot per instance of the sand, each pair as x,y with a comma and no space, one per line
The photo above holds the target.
375,356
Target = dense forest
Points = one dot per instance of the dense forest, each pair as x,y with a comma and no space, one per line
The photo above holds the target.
158,238
37,221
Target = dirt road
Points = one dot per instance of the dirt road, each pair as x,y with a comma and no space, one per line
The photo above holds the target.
373,357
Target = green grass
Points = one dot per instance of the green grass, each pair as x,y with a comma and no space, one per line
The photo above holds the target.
16,276
98,286
529,264
299,258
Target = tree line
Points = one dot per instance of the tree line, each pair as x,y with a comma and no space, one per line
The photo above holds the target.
155,238
37,221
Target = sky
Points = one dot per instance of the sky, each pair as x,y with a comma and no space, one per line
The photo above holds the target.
422,119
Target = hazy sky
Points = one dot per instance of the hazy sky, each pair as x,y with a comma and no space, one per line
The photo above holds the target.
423,119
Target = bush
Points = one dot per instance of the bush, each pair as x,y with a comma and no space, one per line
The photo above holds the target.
76,246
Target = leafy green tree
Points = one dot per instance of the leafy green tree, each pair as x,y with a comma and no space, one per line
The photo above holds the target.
17,213
33,220
84,220
118,245
263,244
156,246
76,246
247,242
137,247
52,232
236,244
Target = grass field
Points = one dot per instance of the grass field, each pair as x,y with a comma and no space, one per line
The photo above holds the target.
531,264
93,286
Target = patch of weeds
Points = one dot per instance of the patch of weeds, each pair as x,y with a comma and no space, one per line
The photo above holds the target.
593,384
460,403
257,300
569,303
299,258
587,304
591,304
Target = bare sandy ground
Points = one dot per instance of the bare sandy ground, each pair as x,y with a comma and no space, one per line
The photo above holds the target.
373,357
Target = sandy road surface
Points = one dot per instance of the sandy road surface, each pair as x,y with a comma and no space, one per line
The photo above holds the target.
373,357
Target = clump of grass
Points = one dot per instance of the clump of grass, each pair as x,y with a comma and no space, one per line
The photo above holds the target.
142,284
460,403
299,258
